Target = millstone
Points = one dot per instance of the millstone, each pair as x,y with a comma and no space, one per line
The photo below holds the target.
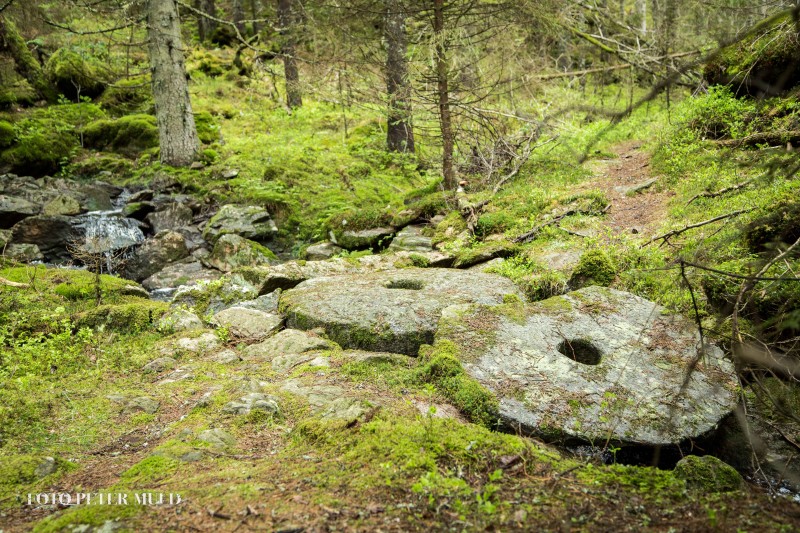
594,365
394,311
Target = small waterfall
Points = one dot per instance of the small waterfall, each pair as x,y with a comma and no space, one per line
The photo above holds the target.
107,233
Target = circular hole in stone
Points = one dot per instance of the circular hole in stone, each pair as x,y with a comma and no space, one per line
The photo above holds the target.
581,351
408,284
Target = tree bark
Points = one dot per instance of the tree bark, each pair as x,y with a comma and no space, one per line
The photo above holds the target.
443,96
177,132
287,20
24,63
400,135
255,10
238,17
206,26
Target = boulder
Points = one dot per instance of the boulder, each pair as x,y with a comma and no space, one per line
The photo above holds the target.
287,342
24,253
199,345
594,365
213,297
232,251
159,365
216,437
62,205
254,401
13,209
248,323
330,402
362,239
138,210
322,250
52,234
411,239
180,320
251,222
708,474
155,254
184,272
391,311
169,217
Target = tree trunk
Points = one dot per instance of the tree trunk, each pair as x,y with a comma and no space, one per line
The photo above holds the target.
641,11
205,26
201,22
238,17
255,10
443,96
400,135
24,63
287,20
177,133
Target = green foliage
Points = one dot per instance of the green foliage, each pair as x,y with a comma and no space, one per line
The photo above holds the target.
7,134
207,128
127,135
131,317
127,96
719,114
537,281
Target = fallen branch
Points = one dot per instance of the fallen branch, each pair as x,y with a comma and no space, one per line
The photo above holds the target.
769,137
720,192
674,233
9,283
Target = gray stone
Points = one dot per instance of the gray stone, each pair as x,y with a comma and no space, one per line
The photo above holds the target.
134,290
145,195
593,365
319,396
254,401
169,217
251,222
347,409
142,403
284,363
229,174
248,323
232,251
192,457
159,365
185,272
362,239
24,253
52,234
62,205
179,374
217,437
393,311
411,239
46,467
208,297
199,345
322,250
227,357
267,303
373,358
288,341
155,254
178,319
138,210
13,209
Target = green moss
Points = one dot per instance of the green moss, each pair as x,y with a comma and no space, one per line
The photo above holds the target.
452,225
442,368
133,317
147,471
75,75
81,286
207,127
7,134
92,515
127,135
708,474
129,95
40,152
359,219
594,268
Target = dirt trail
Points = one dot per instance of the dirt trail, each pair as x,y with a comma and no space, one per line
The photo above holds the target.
630,212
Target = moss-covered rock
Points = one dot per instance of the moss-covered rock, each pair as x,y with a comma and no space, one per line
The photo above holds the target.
75,75
127,135
708,474
40,152
130,317
128,96
232,251
595,267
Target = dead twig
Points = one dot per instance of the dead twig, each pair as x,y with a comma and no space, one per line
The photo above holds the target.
9,283
674,233
720,192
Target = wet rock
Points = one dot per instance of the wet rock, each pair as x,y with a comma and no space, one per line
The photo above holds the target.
52,234
184,272
217,437
250,222
232,251
392,311
138,210
169,217
159,365
13,209
107,231
411,239
248,323
708,474
155,254
593,365
288,341
362,239
322,250
145,195
143,404
255,401
62,205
